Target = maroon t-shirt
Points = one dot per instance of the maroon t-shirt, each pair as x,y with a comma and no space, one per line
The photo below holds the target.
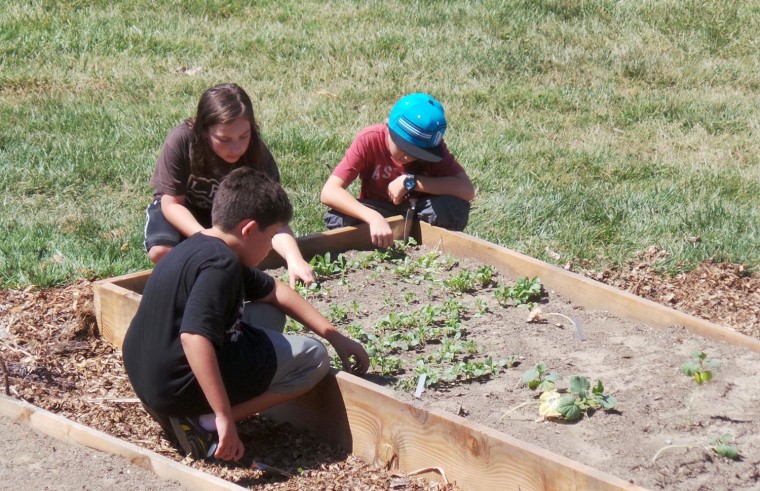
173,176
369,158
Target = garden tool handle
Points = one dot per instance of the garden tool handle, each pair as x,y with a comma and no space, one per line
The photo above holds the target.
409,219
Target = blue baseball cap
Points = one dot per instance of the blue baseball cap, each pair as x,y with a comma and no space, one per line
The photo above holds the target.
417,125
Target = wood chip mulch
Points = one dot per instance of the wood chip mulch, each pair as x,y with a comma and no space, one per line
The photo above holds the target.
724,293
52,357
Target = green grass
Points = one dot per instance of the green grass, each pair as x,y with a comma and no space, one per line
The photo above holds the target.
594,128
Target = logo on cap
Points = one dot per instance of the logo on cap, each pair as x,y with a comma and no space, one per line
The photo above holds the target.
417,124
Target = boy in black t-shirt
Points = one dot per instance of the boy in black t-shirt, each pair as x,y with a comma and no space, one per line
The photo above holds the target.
192,361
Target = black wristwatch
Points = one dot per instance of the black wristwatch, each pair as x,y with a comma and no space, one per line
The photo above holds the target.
410,183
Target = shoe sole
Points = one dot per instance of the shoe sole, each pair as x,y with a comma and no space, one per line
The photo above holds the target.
185,442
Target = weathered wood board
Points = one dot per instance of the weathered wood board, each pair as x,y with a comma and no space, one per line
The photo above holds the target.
376,425
69,431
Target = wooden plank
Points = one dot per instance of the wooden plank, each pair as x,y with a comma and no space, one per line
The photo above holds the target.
375,424
72,432
579,289
335,241
382,428
116,302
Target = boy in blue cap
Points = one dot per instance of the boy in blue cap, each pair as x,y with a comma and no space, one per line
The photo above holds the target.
404,158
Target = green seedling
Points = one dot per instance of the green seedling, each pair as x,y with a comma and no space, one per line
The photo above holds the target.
387,365
409,298
324,266
462,282
723,446
308,291
337,314
484,275
293,327
481,307
525,292
538,378
583,399
700,367
700,370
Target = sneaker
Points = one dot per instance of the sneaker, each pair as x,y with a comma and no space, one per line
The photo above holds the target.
196,441
165,424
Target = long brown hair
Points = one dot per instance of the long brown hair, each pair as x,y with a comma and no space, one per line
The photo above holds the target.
221,104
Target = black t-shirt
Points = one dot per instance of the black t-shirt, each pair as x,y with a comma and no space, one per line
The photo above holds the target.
199,288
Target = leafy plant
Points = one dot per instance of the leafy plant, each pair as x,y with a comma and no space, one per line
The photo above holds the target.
481,307
308,291
324,266
337,314
583,399
538,378
484,275
526,291
700,367
462,282
723,446
467,281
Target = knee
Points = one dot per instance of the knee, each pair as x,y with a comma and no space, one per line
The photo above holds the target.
317,359
447,212
157,252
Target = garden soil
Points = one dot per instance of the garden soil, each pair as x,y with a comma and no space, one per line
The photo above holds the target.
55,360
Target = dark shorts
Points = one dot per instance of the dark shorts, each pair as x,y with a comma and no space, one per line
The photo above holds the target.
442,211
158,230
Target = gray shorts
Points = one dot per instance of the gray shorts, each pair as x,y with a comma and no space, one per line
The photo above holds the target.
302,361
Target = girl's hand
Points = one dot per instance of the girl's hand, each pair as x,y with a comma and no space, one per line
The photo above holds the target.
299,269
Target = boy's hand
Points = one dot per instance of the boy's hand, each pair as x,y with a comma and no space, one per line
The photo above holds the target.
347,349
230,446
396,190
380,232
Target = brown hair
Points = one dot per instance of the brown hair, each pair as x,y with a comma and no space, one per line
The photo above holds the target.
221,104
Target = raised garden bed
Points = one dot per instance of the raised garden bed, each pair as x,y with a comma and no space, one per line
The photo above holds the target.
635,346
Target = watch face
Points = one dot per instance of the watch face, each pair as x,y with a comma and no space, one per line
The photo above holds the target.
409,183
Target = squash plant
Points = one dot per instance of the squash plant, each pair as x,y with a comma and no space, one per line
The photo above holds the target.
700,367
582,399
539,378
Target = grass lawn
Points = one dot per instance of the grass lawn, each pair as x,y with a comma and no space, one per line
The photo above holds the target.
592,128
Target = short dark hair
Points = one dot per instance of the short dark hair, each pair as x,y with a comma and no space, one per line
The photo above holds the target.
249,193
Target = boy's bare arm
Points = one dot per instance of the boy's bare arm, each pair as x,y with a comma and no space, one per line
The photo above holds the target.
295,306
458,186
202,358
335,195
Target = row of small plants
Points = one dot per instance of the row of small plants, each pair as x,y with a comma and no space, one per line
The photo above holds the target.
433,336
455,359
